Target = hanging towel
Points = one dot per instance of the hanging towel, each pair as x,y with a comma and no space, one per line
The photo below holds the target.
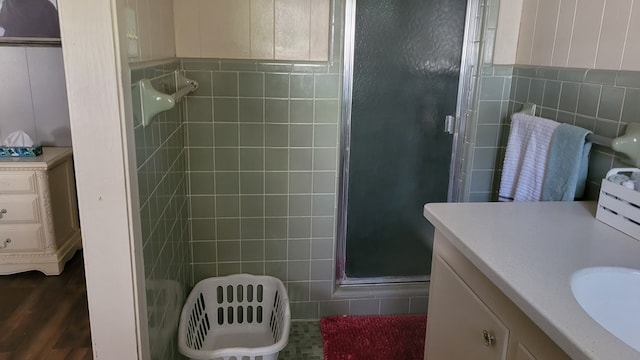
567,164
526,157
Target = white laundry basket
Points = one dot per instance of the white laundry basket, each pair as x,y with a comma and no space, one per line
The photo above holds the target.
236,317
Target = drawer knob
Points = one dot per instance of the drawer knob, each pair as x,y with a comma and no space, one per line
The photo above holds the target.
489,339
5,243
2,212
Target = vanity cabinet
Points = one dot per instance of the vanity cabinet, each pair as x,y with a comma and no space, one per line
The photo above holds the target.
39,228
253,29
469,317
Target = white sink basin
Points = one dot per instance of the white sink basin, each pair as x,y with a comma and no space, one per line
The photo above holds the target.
611,296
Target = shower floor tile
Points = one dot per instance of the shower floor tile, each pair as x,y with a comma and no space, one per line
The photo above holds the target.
305,342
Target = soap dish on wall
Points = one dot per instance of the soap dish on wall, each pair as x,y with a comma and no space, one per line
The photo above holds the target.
20,151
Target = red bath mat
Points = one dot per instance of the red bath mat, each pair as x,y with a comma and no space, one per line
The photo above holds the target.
374,337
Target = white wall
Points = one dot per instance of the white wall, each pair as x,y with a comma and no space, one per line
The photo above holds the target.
153,28
592,34
33,95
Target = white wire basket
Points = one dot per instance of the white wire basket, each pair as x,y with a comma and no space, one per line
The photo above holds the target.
618,206
236,317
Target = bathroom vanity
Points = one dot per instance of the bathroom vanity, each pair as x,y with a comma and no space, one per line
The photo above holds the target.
39,228
501,281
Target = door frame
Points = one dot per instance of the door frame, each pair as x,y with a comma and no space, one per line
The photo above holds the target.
97,79
464,106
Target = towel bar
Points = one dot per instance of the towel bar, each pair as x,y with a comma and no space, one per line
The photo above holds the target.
628,144
154,102
600,140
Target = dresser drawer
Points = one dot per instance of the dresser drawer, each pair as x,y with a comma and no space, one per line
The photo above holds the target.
19,238
18,209
17,182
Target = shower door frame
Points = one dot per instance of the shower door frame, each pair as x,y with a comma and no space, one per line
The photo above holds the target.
464,104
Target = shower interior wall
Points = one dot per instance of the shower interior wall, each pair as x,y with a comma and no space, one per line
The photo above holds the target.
263,150
242,177
163,187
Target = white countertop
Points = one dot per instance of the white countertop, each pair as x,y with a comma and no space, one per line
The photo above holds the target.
530,250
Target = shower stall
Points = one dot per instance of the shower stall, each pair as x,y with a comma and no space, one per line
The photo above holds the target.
405,64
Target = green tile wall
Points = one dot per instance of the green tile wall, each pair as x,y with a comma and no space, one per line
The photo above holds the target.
603,101
263,153
492,107
162,182
263,148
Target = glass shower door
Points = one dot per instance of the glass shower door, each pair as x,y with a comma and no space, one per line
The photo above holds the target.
406,65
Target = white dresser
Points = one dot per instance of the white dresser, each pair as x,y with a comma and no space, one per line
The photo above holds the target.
39,228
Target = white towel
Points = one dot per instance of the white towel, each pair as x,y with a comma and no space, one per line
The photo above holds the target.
526,158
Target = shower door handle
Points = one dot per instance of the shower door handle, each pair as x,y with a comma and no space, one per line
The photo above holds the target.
450,124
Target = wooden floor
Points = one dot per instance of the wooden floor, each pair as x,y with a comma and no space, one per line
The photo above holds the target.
45,317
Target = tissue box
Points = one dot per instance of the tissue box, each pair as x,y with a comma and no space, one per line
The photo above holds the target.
19,151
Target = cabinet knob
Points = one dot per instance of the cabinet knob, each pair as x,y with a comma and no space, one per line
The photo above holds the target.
5,243
489,339
2,212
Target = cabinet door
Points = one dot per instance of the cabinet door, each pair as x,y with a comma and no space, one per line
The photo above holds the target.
20,238
522,353
531,343
458,320
18,182
18,209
